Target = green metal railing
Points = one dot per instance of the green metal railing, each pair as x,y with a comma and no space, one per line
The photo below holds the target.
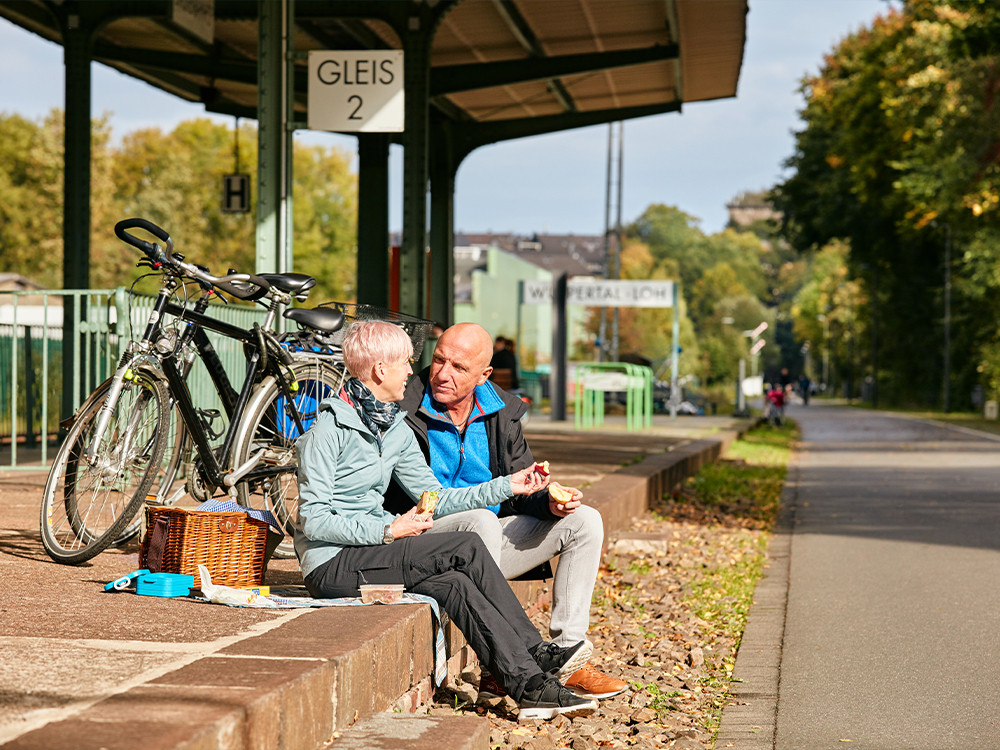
31,360
595,379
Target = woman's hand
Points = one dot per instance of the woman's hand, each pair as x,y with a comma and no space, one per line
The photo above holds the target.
566,508
527,481
409,524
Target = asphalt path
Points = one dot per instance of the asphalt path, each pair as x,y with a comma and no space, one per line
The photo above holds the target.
892,627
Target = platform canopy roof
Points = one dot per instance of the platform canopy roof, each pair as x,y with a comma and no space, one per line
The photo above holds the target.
518,66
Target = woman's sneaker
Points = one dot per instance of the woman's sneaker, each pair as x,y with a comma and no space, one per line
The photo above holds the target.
562,661
551,699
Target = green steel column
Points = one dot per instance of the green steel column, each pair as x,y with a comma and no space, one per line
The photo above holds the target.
76,187
412,273
373,219
286,262
270,135
442,233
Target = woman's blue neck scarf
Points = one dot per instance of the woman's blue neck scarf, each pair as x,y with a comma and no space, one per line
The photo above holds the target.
376,415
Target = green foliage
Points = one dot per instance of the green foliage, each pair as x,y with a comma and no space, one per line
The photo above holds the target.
175,180
660,700
31,182
730,283
830,312
900,157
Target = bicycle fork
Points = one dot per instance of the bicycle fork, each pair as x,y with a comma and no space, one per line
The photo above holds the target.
125,371
115,460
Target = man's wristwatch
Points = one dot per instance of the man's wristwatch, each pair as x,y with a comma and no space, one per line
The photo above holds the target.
387,536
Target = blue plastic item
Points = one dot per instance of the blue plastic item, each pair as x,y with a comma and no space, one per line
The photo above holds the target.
307,400
120,584
164,584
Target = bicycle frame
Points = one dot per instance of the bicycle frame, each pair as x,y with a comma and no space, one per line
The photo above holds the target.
175,371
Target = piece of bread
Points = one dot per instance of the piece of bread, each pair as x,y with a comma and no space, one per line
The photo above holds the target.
560,494
427,503
542,468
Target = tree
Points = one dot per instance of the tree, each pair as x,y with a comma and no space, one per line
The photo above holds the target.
175,180
31,183
899,156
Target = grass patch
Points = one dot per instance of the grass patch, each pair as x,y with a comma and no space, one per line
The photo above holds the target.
739,496
743,488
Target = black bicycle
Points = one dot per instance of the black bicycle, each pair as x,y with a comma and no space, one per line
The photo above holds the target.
113,452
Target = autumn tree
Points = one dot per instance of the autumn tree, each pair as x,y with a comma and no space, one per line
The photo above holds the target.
899,157
175,180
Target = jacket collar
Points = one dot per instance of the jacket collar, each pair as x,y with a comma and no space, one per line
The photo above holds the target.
346,414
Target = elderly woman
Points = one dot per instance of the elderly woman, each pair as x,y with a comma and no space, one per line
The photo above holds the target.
345,538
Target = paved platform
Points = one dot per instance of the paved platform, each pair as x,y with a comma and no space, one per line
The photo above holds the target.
89,669
875,627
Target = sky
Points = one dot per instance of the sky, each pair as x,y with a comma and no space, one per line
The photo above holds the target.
696,160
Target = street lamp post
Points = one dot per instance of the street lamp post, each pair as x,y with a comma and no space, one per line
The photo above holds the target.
947,318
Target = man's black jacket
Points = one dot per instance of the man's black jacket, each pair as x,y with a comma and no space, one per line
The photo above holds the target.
508,450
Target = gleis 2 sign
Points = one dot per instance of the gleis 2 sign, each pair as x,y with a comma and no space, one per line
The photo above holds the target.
356,92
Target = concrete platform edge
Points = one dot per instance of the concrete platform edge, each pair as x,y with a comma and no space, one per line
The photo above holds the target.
749,721
293,688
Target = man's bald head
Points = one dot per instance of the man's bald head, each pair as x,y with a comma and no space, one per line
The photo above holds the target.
461,362
471,338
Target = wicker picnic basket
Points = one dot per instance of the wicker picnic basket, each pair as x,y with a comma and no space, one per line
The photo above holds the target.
233,546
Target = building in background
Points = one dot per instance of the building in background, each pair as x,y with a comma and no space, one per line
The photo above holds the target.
489,269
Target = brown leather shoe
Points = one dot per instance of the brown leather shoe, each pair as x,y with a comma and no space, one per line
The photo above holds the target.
590,683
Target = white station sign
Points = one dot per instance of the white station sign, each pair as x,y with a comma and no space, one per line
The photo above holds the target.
604,293
357,91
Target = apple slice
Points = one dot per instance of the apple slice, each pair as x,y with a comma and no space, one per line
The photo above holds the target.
560,494
542,468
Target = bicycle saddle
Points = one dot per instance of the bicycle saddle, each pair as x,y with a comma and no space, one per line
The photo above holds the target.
290,283
324,319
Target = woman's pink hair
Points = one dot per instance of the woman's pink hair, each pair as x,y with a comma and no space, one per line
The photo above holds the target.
371,341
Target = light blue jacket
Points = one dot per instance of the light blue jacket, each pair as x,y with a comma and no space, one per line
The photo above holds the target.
343,476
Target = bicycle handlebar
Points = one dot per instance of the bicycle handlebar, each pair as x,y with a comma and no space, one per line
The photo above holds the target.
231,284
151,250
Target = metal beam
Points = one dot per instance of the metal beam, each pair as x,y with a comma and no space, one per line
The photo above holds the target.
525,36
451,79
519,27
270,138
443,167
412,266
76,38
373,219
179,62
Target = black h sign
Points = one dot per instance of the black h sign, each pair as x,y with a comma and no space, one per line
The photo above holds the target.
236,193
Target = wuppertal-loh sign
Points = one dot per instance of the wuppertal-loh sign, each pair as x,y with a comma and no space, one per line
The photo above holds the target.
604,293
356,91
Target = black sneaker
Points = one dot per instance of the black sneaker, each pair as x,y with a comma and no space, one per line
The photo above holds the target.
552,699
562,661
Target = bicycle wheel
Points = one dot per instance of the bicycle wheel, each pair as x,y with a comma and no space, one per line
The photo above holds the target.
177,453
268,426
87,505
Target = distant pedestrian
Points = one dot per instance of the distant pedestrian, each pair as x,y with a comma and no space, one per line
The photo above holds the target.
774,404
804,385
505,361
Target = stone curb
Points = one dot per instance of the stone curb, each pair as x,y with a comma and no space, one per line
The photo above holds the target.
749,721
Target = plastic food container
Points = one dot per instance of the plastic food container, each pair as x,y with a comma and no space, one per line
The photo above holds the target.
381,593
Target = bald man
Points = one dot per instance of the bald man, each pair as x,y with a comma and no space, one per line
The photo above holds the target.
470,432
